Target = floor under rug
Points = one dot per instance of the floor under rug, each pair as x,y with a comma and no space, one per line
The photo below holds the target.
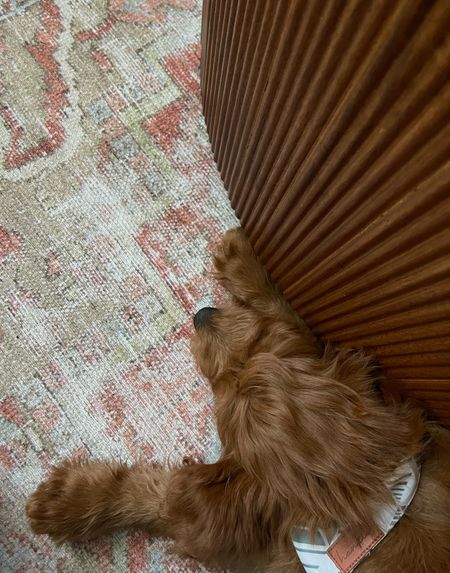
109,203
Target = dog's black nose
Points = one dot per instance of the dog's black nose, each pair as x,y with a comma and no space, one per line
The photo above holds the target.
203,315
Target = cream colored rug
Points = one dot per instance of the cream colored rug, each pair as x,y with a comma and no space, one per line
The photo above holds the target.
109,202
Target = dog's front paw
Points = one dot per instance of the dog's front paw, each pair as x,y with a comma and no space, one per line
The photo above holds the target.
74,503
238,269
54,507
234,244
233,259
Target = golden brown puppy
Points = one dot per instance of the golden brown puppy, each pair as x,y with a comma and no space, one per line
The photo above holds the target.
307,440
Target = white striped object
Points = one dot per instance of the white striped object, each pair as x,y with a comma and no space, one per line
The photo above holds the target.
324,555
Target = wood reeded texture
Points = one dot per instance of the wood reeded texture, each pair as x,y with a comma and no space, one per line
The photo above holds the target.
329,123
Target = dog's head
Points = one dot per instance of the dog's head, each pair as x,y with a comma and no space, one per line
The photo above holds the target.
228,338
298,417
225,339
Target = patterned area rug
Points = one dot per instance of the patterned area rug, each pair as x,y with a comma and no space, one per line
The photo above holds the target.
109,202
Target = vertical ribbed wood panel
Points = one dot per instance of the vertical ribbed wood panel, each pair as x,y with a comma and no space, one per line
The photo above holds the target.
329,123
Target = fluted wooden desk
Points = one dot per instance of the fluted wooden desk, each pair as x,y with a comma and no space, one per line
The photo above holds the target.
329,122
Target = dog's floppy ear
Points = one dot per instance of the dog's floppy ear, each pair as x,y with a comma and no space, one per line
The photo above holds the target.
311,425
258,424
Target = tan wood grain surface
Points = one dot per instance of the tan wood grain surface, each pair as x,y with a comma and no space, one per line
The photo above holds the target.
329,123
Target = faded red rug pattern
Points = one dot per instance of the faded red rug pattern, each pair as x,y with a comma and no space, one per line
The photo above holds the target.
109,203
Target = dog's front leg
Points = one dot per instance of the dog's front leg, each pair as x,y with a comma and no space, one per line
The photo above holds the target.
83,500
238,269
214,512
219,515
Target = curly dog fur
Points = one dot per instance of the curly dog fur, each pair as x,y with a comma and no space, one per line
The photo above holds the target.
307,439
